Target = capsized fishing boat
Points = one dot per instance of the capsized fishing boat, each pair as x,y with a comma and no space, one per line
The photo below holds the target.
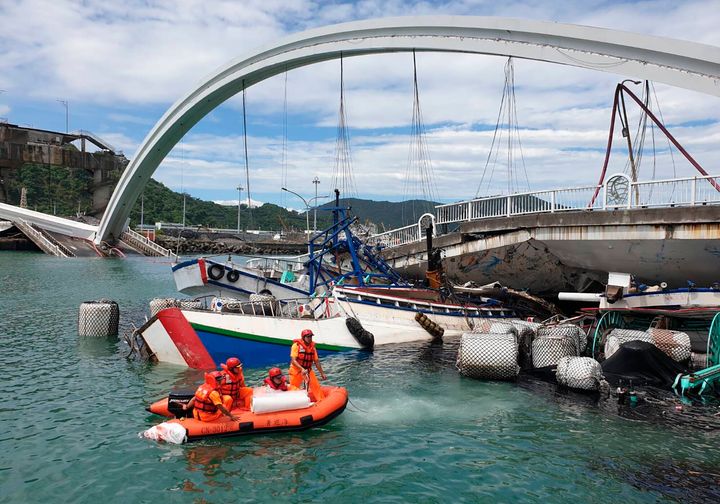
347,318
278,412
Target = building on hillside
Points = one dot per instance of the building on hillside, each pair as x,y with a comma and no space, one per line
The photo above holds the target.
21,147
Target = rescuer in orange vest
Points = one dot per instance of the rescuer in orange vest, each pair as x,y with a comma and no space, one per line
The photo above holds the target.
303,355
233,383
208,403
276,380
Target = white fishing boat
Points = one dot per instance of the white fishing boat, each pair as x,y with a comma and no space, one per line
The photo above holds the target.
278,277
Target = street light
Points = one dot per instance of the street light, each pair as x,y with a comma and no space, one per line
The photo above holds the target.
67,114
315,209
315,181
307,210
240,189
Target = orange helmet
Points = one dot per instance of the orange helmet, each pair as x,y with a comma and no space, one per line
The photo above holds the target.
214,378
306,332
233,362
276,371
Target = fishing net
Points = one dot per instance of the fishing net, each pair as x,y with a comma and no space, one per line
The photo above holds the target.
98,318
489,356
582,373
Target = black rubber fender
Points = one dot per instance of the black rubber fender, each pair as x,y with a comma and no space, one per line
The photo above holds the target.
365,338
233,276
216,272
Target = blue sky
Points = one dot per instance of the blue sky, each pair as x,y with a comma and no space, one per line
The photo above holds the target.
120,65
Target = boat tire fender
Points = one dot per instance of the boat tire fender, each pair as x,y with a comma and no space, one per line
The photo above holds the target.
435,330
365,338
233,276
216,272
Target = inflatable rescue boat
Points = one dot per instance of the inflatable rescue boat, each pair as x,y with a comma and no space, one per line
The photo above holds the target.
272,411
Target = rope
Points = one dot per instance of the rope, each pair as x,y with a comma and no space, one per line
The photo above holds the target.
355,406
419,176
507,111
342,173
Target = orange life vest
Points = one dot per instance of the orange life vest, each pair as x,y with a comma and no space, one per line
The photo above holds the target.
231,384
202,398
270,383
306,353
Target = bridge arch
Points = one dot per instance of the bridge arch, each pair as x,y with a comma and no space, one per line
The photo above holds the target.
678,63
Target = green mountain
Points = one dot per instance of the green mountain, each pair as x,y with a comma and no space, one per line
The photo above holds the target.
65,191
161,204
387,214
164,205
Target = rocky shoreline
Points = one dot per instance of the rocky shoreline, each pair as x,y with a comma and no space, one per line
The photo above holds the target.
201,245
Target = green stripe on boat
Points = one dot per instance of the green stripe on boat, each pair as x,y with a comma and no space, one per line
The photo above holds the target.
265,339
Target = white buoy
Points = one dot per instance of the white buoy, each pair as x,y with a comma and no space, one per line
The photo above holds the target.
98,318
569,330
583,373
549,349
488,356
159,304
617,337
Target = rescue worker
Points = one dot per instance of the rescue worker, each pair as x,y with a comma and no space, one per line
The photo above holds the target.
233,383
277,381
302,357
208,403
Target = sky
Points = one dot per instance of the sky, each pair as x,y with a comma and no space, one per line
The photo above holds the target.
120,65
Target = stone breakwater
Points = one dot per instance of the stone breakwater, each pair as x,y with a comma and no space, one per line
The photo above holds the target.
185,245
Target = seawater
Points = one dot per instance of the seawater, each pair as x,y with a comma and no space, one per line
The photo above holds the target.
415,431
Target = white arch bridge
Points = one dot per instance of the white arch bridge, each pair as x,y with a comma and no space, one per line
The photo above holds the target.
679,63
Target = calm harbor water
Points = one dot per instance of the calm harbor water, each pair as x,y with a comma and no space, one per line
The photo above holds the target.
415,430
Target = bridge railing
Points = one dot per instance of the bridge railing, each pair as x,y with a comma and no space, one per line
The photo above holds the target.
397,237
617,192
676,192
548,201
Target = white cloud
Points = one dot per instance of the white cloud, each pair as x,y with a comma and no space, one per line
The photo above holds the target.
131,60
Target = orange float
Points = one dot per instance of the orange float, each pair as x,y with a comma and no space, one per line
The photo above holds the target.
317,414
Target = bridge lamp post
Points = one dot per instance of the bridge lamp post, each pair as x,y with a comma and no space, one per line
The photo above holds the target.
315,181
240,189
315,209
67,114
307,210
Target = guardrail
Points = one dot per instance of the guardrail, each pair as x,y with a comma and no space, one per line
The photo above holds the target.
148,245
617,192
45,242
